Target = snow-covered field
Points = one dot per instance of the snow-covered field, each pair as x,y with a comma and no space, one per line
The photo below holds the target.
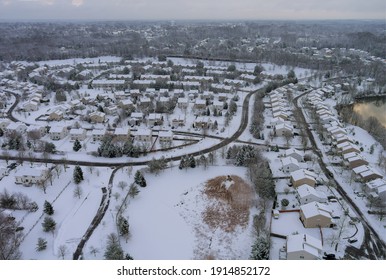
166,219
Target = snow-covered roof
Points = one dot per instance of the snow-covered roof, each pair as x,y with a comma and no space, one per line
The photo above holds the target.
166,134
57,129
303,173
289,160
313,209
360,169
143,132
136,115
306,190
77,131
304,242
122,131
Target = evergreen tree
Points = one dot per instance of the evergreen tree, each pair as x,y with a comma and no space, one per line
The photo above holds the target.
240,159
139,179
182,163
143,183
192,162
78,174
260,249
113,250
133,190
48,209
49,224
77,146
123,226
128,257
41,245
1,132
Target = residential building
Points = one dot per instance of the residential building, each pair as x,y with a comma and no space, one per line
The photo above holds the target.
290,164
315,214
143,135
303,247
77,134
295,154
58,132
165,136
33,175
97,117
122,133
303,176
307,194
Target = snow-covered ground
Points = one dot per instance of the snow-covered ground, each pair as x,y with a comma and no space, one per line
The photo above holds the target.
166,219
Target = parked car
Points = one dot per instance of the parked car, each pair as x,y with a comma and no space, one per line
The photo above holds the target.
352,240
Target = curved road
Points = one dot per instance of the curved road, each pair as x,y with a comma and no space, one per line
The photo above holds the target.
373,247
107,192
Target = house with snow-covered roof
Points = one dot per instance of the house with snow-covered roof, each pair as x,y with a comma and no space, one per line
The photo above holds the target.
303,176
307,194
289,164
282,129
98,134
281,114
143,135
356,161
122,133
155,119
33,175
97,117
371,186
58,132
165,136
202,122
77,134
315,214
303,247
126,104
199,104
15,127
30,106
136,118
294,153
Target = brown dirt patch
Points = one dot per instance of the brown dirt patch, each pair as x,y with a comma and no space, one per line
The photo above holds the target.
229,207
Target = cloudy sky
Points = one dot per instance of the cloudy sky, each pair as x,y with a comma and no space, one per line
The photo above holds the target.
190,9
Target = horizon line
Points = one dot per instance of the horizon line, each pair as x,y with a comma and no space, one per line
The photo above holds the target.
184,20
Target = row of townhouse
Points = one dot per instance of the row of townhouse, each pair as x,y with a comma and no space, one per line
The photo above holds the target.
342,144
120,134
279,105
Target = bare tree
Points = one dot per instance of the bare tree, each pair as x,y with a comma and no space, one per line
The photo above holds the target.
78,192
62,251
10,238
94,250
122,185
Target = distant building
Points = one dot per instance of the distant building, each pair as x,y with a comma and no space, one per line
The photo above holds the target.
58,132
97,117
143,135
77,134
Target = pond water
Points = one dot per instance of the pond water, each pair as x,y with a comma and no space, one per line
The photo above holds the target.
372,108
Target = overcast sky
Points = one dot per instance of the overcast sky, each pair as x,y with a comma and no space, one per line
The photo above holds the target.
190,9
